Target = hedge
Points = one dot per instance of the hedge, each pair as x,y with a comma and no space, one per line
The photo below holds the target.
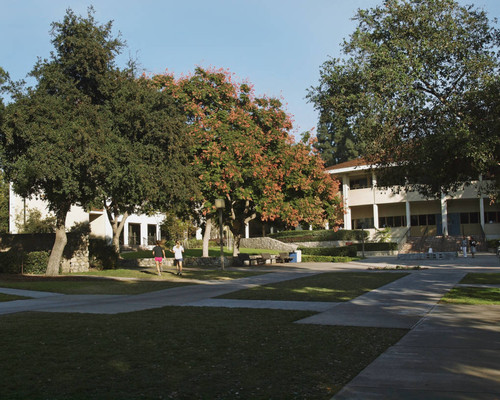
335,259
318,235
376,246
13,262
341,251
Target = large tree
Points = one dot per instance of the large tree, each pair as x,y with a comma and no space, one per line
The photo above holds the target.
418,81
145,168
245,154
53,132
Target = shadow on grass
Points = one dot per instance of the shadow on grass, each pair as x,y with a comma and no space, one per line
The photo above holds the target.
332,286
182,353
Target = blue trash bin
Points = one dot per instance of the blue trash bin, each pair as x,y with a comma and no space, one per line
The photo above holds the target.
293,256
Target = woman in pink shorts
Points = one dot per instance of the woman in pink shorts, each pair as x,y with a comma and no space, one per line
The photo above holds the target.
159,255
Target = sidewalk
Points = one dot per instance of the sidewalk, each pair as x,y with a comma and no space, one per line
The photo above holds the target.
450,352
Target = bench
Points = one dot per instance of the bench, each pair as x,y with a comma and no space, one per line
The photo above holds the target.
284,258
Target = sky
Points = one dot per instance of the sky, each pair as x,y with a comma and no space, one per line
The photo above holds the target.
276,45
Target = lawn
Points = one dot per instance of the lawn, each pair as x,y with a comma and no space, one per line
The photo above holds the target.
103,282
9,297
331,286
182,353
475,295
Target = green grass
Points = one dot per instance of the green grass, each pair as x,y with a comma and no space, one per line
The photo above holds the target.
89,283
332,286
481,278
10,297
182,353
473,295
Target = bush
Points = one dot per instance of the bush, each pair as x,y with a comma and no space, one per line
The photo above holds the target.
318,235
15,262
341,251
493,243
378,246
36,262
101,254
307,258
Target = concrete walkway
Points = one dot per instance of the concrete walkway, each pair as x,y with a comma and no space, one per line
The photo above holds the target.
450,352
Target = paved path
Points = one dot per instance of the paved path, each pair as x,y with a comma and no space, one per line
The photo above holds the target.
450,352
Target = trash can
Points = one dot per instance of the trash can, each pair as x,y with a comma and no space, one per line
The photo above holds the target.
296,256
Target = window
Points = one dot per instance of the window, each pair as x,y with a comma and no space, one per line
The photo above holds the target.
469,218
490,217
392,222
361,183
423,220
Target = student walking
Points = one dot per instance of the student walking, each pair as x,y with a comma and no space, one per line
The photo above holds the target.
464,247
472,245
178,250
159,255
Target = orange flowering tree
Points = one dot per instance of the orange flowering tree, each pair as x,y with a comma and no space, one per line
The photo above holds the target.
245,154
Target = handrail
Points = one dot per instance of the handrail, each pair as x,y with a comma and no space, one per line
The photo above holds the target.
421,242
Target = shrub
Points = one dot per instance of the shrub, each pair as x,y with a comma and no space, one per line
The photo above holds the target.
341,251
378,246
15,262
102,255
308,258
318,235
36,262
10,262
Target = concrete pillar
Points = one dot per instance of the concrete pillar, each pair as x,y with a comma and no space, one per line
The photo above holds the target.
444,214
481,212
375,206
408,214
247,230
125,234
347,210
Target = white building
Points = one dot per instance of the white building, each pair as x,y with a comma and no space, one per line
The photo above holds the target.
465,212
139,230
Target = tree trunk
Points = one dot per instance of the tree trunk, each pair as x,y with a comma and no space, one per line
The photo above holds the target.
59,244
236,244
206,237
116,227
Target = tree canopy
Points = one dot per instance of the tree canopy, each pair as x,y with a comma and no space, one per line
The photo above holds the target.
417,89
90,133
244,153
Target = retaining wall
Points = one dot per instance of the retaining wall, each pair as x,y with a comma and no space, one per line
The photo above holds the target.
267,243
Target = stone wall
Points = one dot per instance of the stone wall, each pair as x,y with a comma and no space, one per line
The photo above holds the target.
169,262
267,243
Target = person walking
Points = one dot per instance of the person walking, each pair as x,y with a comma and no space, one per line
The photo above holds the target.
178,250
464,247
472,245
159,255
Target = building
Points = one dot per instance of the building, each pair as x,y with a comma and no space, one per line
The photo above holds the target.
465,212
139,230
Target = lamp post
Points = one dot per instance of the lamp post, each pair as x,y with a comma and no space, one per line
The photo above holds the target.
220,205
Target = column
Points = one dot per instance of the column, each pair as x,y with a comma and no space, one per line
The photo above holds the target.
444,214
375,206
125,233
247,230
481,212
408,214
347,210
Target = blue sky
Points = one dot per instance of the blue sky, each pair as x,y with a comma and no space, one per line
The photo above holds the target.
277,45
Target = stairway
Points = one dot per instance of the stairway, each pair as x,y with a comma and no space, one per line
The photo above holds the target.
416,244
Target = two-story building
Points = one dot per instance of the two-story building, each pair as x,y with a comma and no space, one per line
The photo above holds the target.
366,204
